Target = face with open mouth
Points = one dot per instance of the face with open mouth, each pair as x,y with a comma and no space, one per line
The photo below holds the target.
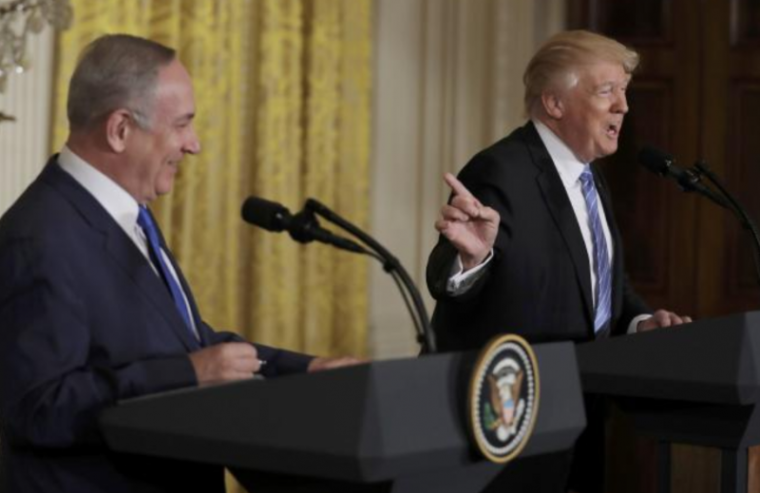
591,113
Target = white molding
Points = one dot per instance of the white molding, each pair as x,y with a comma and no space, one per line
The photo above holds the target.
24,144
394,170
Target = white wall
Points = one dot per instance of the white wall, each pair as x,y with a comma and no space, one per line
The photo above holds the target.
24,143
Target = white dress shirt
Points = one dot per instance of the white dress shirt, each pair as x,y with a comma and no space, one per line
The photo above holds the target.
120,205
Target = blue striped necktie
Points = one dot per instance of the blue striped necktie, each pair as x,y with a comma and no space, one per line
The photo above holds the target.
145,221
603,291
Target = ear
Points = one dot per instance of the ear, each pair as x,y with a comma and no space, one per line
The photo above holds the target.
553,105
118,129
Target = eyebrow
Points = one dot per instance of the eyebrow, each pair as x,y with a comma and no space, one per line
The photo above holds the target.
184,118
610,83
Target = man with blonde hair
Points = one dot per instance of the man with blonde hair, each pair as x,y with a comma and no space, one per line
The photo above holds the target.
528,242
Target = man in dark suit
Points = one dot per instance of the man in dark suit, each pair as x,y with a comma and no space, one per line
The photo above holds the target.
528,242
93,308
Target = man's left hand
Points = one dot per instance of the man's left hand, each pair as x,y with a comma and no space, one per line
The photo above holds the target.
319,364
662,318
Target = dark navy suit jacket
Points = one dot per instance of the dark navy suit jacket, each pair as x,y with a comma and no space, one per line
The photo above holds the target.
85,322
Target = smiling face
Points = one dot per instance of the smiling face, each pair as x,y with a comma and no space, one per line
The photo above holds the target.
154,153
588,116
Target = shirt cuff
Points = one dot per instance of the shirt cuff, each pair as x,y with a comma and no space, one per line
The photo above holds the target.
459,281
635,322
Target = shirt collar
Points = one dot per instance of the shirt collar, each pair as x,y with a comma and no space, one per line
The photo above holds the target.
568,166
119,204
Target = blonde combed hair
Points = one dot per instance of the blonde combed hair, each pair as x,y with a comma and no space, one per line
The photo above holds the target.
559,58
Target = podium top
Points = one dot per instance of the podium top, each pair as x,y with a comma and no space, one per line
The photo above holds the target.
364,423
711,361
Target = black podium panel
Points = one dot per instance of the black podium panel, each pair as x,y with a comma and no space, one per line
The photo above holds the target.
697,383
370,423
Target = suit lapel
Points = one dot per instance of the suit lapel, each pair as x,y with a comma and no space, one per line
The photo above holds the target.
136,266
558,204
121,249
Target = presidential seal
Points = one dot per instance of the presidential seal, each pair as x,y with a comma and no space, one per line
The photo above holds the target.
503,398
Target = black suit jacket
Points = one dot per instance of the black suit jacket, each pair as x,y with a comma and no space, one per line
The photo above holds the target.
85,322
538,284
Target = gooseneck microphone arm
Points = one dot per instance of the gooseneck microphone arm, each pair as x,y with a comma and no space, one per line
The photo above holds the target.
689,180
746,221
304,228
663,164
391,265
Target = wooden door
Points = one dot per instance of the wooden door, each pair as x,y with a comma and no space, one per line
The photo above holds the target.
696,95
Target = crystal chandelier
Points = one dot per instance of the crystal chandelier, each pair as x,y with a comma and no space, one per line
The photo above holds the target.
19,19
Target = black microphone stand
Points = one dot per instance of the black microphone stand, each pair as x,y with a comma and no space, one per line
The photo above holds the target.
391,265
733,205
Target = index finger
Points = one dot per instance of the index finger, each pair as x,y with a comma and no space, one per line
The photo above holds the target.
456,186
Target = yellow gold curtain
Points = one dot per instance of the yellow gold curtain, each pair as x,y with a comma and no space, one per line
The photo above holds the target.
283,101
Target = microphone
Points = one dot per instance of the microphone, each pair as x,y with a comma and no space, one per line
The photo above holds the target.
303,227
663,164
266,214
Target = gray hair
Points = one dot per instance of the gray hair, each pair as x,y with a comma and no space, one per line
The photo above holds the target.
558,60
116,71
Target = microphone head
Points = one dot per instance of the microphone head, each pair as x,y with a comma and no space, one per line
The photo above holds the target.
656,161
265,214
304,227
